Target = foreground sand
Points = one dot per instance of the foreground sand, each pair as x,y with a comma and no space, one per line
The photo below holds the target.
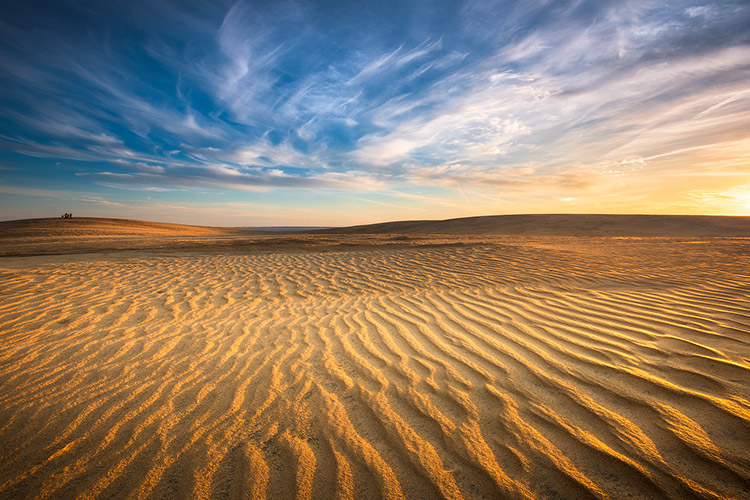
503,368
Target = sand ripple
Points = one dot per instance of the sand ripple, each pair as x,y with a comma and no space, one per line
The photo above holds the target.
486,371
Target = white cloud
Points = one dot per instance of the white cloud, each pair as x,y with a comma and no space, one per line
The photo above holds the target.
264,153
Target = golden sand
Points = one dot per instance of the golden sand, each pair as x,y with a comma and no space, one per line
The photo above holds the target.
500,367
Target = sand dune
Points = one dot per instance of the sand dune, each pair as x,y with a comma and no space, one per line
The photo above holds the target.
92,234
506,368
98,226
565,225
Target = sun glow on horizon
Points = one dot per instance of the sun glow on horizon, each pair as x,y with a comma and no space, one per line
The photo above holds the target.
249,113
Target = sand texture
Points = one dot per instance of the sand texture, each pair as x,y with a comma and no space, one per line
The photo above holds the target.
428,368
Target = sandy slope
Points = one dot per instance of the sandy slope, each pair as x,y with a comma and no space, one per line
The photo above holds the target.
97,226
565,225
511,368
92,234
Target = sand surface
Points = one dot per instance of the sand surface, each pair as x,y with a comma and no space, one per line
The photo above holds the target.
566,225
375,367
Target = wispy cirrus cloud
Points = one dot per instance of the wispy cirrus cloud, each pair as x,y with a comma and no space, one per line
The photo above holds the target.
481,95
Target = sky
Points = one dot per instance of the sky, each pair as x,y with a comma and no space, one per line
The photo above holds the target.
326,113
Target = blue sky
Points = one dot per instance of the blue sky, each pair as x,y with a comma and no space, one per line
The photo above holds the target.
329,113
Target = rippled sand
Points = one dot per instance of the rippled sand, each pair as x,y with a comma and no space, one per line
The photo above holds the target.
512,368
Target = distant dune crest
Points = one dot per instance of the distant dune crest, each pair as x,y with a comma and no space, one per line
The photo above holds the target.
532,225
565,225
96,226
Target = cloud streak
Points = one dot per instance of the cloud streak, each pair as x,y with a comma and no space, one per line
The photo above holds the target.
485,96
